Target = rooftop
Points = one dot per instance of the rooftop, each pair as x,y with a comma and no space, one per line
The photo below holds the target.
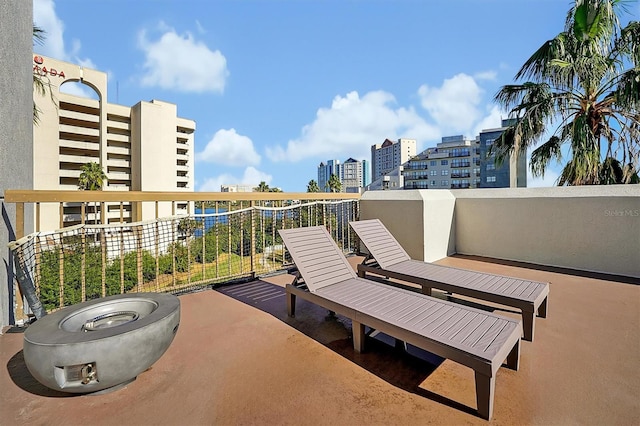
238,359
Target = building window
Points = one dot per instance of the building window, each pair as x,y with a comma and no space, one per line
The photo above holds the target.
433,173
445,183
489,142
433,163
445,173
491,179
433,183
491,166
444,162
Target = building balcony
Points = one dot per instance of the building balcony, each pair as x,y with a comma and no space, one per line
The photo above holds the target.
411,166
416,185
580,368
460,185
77,116
462,164
460,175
119,127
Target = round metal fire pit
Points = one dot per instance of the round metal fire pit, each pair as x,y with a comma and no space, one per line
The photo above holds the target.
101,344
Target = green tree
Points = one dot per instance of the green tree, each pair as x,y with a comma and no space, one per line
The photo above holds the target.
334,184
312,186
92,178
262,187
39,84
585,84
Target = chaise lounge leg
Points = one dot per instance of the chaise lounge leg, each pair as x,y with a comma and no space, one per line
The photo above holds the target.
361,273
513,359
542,309
291,304
485,389
358,336
528,324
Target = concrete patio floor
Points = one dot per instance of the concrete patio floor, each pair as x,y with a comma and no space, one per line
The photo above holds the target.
238,359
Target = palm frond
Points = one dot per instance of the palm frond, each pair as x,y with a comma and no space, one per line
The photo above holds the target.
542,156
626,96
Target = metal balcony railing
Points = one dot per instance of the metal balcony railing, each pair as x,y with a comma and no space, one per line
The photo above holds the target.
221,237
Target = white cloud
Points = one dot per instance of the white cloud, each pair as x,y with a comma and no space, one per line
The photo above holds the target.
351,125
486,75
45,17
491,121
229,148
251,176
78,89
182,63
454,105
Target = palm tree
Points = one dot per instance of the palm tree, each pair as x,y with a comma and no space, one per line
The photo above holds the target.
262,187
39,86
92,178
585,82
334,184
312,186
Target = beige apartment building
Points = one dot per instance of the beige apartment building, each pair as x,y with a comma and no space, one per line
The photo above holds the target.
390,155
146,147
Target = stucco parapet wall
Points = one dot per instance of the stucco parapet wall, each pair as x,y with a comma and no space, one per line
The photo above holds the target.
421,220
555,191
588,228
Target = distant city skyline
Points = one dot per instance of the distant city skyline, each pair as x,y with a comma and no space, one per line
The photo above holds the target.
276,87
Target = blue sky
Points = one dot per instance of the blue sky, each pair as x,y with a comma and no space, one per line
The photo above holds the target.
277,86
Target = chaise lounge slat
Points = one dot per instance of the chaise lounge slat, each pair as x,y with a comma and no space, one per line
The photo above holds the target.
392,260
477,339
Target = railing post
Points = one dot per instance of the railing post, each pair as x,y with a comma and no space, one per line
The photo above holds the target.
252,204
61,271
83,261
203,210
139,257
103,251
19,220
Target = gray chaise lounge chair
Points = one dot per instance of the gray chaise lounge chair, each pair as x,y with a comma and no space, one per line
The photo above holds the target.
477,339
390,260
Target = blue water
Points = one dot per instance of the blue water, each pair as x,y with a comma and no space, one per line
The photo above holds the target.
210,221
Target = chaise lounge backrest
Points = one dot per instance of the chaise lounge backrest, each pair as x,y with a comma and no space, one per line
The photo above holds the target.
320,262
380,243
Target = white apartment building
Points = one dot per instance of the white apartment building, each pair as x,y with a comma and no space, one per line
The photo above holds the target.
390,155
146,147
458,163
237,188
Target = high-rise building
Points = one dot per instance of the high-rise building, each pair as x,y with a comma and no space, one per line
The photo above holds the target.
366,173
390,155
351,174
452,164
511,173
324,173
458,163
146,147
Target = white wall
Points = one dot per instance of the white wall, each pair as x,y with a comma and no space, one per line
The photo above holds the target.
421,220
593,228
